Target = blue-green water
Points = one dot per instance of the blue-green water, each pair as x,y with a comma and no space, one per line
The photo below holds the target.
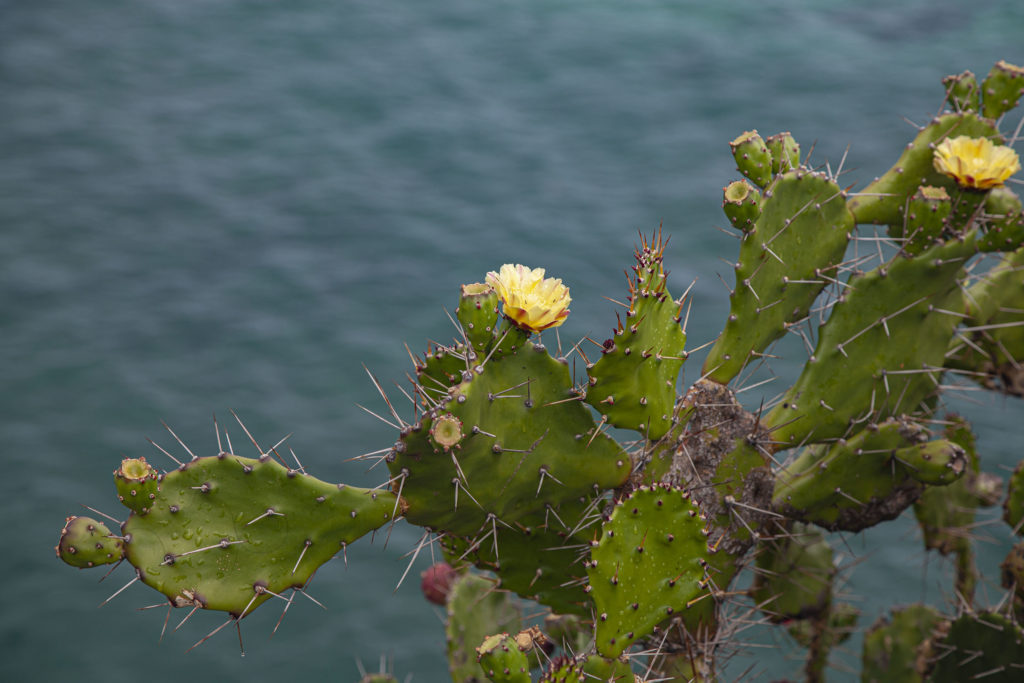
215,205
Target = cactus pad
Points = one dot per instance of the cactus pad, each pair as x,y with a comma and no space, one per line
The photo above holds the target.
1001,89
985,646
503,660
86,542
881,350
873,476
897,649
634,382
526,444
475,609
793,579
801,232
227,532
648,565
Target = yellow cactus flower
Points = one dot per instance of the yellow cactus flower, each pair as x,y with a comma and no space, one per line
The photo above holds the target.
530,300
976,162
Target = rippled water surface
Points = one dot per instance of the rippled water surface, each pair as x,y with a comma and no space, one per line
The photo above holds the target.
216,205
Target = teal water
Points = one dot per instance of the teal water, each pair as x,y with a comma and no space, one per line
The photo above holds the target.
215,205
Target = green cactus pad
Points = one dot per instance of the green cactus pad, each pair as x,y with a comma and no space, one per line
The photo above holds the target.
442,367
538,558
926,219
801,232
1011,572
527,444
946,515
884,200
853,484
741,203
897,649
938,462
502,661
601,670
137,484
793,578
785,152
588,668
1001,89
1003,221
227,532
841,624
634,382
994,332
648,565
1013,506
478,315
985,646
563,670
881,350
475,609
86,542
753,159
962,91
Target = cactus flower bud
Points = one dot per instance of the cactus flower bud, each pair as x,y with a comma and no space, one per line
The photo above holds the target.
436,582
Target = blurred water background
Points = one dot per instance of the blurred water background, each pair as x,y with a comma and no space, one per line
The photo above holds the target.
214,205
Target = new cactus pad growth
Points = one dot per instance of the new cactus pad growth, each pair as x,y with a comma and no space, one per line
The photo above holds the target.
647,551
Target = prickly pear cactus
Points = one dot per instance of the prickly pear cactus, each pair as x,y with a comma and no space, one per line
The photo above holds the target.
648,548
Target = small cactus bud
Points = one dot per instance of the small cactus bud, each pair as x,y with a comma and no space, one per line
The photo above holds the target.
137,484
436,582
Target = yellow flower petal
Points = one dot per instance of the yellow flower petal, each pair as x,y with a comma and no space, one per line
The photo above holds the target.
528,299
975,162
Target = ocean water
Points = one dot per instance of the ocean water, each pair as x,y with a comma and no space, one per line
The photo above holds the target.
216,205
